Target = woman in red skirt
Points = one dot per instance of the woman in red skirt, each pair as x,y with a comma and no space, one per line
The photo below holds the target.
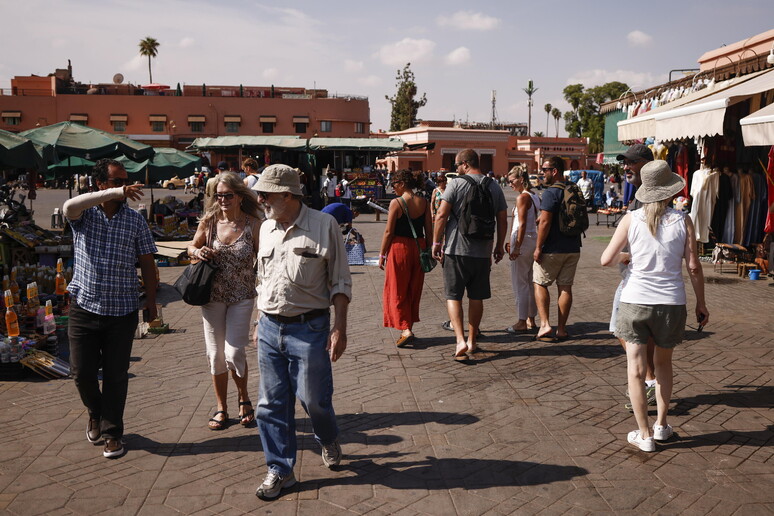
399,256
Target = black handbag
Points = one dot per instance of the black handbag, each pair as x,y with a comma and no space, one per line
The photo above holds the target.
426,260
195,284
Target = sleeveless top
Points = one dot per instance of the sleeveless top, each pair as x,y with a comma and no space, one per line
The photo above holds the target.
656,274
234,280
402,226
531,228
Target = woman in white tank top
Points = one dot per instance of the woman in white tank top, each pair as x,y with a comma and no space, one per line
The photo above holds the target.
521,248
653,297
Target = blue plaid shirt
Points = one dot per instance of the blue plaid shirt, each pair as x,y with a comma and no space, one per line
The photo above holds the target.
106,250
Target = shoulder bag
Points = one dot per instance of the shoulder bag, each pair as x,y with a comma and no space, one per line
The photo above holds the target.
195,284
426,261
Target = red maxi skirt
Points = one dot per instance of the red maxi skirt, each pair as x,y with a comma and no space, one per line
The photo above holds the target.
403,281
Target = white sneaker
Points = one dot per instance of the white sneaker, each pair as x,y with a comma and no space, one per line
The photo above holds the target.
331,454
646,444
662,433
273,485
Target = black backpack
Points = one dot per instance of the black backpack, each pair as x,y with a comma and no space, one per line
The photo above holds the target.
477,213
573,217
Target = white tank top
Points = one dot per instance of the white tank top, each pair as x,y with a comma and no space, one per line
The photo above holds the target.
656,274
531,229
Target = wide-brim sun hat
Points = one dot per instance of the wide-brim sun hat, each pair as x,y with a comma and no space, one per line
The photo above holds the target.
278,179
658,182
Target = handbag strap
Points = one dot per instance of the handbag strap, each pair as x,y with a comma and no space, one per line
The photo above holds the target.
411,224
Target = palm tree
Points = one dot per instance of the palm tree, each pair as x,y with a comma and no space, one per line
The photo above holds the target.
530,90
557,115
538,134
547,107
149,47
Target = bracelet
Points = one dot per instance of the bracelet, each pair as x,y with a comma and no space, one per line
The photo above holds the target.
382,256
436,244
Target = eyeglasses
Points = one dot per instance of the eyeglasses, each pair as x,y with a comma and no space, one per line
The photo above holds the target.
224,196
460,163
119,181
265,195
546,169
629,161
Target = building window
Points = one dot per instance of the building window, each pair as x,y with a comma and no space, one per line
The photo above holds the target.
196,127
300,127
119,127
11,120
232,127
157,127
267,127
326,126
359,127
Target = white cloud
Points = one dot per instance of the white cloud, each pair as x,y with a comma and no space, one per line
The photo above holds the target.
371,80
468,20
58,42
458,56
407,50
597,77
138,62
186,42
637,38
351,65
270,73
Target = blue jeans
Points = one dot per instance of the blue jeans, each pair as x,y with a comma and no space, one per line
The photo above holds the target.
293,363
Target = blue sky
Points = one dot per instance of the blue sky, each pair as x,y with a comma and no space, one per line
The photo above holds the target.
460,51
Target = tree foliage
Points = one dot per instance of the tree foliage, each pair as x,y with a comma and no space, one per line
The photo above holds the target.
556,114
404,103
149,47
584,120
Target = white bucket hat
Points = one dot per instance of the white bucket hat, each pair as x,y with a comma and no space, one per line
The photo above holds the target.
658,182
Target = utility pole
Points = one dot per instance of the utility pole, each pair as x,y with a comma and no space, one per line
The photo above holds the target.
529,90
494,109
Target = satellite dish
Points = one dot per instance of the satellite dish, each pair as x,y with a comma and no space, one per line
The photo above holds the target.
118,78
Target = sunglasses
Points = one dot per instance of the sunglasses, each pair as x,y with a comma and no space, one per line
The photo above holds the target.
224,196
119,181
546,169
460,163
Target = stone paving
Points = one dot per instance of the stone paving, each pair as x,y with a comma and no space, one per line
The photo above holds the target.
525,428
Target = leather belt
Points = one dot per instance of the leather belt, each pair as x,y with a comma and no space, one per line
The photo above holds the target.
307,316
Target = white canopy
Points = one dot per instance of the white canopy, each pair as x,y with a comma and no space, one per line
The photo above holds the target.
758,128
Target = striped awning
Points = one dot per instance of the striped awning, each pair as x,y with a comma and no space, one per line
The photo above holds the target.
197,118
300,119
157,118
233,118
79,117
267,118
10,114
119,118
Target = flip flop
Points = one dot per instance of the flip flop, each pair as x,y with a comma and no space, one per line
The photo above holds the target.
545,338
514,331
249,415
562,338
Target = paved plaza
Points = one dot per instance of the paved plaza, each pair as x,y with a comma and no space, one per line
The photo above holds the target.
525,428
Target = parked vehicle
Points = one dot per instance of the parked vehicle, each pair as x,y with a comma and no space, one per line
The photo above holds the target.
173,184
536,181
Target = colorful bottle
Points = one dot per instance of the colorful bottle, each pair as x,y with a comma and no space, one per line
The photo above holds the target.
49,323
11,320
60,282
14,287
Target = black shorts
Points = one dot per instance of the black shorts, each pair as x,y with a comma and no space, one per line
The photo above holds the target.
462,273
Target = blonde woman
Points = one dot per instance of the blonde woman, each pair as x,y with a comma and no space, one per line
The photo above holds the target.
521,249
653,297
228,236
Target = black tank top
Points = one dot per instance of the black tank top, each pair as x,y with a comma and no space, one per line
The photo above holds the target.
402,226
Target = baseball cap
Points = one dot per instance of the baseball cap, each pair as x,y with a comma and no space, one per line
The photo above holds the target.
637,152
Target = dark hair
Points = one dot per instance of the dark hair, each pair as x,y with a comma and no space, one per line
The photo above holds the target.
100,170
469,156
557,163
250,163
407,177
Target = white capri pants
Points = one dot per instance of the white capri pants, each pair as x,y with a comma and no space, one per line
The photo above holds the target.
226,335
521,278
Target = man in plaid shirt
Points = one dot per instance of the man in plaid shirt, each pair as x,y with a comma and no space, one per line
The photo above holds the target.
108,238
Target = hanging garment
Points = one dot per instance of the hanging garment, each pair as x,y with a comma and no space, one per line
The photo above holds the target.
703,193
681,168
753,232
746,195
730,225
769,227
725,197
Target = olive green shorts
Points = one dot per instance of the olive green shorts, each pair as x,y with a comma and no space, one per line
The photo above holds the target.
665,323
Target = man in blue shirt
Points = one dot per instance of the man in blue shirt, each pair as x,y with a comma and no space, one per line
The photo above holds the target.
556,255
108,239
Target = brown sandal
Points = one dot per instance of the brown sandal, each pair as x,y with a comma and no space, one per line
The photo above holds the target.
248,417
218,424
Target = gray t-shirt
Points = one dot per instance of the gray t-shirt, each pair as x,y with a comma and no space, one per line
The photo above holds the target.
457,244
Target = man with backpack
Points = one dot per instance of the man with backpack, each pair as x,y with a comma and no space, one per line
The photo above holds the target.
472,213
563,218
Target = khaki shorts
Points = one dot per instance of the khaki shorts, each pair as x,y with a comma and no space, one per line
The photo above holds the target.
559,267
665,323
